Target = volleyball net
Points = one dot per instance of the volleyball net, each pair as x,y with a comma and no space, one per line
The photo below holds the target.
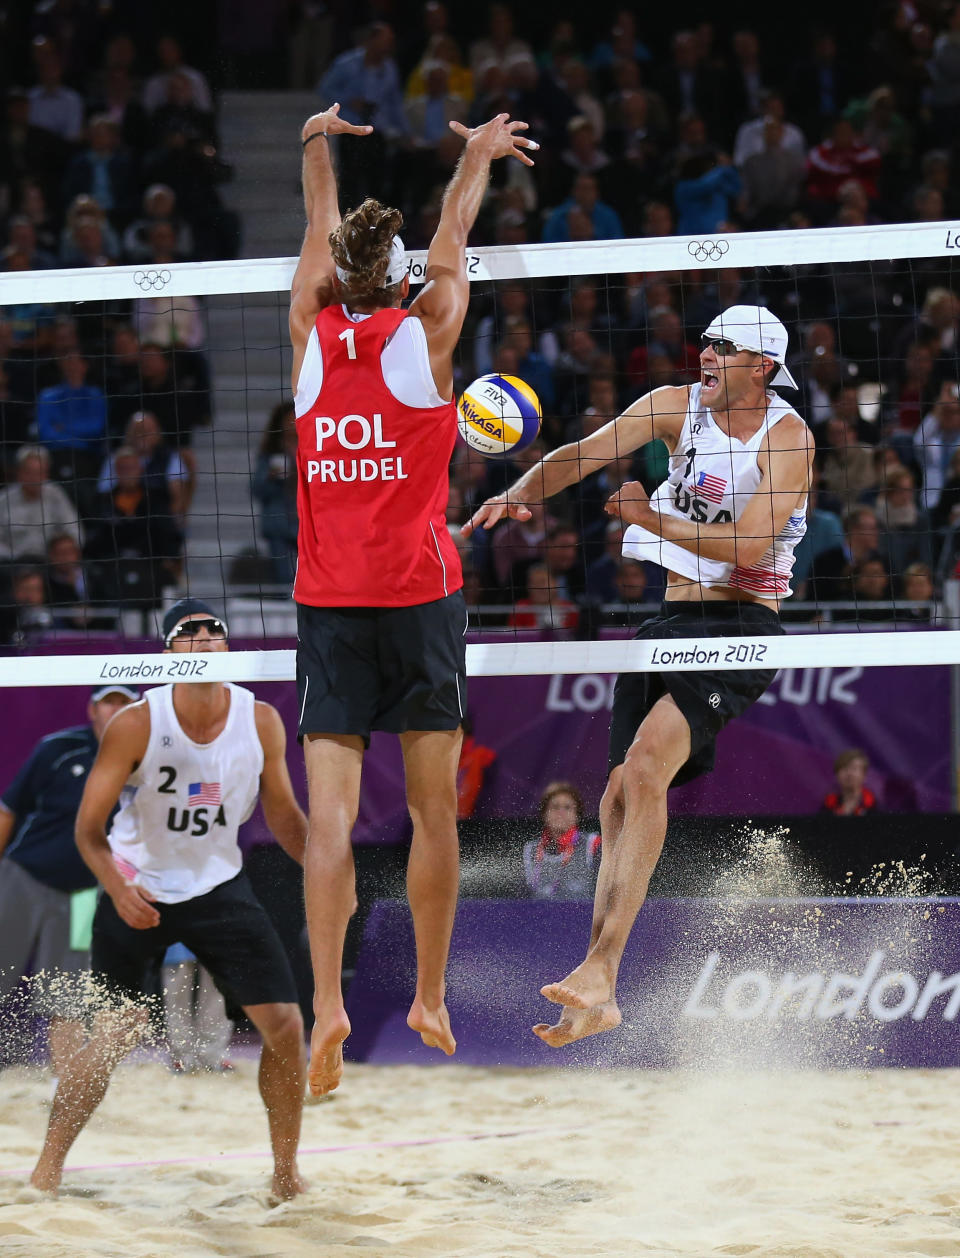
148,446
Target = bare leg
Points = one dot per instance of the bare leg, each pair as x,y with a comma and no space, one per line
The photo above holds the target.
661,747
82,1086
283,1066
433,871
333,780
66,1036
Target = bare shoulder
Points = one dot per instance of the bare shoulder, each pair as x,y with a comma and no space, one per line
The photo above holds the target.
306,302
666,407
270,727
128,732
441,301
790,434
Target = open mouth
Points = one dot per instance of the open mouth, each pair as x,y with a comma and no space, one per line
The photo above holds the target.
710,379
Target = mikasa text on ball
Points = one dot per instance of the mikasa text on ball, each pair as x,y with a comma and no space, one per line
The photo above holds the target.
499,415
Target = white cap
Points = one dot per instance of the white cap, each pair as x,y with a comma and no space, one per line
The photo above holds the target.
756,328
396,267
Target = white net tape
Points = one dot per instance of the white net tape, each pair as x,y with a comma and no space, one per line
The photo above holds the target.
499,659
745,250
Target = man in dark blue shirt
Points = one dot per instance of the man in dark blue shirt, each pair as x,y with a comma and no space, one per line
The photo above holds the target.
41,870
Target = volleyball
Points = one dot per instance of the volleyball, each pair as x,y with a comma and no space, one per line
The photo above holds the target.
499,415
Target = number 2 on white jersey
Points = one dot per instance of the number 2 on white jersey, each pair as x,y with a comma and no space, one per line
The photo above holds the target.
348,336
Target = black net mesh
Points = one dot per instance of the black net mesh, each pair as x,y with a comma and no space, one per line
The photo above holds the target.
148,447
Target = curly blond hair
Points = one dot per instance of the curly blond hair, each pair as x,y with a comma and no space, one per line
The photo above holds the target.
361,246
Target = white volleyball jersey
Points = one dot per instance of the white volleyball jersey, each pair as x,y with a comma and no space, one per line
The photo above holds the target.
712,478
176,831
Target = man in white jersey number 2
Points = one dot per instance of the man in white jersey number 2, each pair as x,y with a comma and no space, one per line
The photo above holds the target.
380,610
187,764
724,525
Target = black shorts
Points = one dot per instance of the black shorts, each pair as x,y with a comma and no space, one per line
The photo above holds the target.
387,668
228,931
707,700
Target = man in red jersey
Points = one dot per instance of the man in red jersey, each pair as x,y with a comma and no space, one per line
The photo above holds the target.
380,613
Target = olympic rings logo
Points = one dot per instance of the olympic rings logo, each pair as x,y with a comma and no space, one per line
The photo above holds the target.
708,250
151,279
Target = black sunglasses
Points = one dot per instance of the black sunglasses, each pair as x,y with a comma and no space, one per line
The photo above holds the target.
724,348
190,629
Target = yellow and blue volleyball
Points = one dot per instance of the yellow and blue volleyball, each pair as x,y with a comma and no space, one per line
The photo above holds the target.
499,415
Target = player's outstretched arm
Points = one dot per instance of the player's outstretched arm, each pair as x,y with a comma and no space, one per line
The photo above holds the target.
313,279
283,814
656,414
122,747
442,302
786,464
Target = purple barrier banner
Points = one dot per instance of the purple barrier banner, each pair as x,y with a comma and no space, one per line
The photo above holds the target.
711,983
776,759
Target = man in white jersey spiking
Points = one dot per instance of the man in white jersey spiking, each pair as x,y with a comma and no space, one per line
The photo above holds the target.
724,524
188,763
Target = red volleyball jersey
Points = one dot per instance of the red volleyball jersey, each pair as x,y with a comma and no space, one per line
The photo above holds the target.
372,479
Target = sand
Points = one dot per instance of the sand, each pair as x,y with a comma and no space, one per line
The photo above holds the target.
570,1163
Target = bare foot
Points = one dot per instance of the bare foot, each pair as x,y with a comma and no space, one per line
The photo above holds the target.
46,1177
577,1024
584,987
326,1053
433,1025
287,1184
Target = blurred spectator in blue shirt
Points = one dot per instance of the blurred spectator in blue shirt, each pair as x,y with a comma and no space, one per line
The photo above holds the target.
72,425
367,83
429,114
935,441
584,196
72,414
621,44
103,170
52,106
531,366
703,194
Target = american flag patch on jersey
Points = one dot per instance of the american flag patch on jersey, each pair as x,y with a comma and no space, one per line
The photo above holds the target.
710,487
203,793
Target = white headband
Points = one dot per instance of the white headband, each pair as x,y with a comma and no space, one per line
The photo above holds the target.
396,267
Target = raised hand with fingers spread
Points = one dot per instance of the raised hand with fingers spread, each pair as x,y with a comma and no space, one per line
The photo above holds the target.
329,122
499,138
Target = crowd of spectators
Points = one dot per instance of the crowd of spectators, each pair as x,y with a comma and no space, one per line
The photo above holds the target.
108,149
108,154
95,438
693,131
705,132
